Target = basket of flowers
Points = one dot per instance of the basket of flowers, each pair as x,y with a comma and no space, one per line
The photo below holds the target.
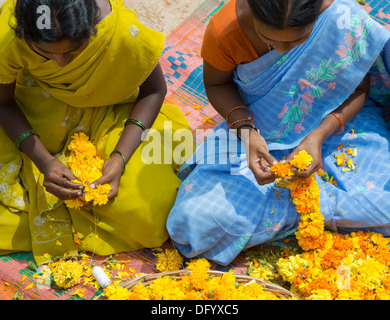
196,283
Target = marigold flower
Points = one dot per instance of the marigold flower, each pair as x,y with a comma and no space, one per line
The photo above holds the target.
86,165
169,260
66,274
302,160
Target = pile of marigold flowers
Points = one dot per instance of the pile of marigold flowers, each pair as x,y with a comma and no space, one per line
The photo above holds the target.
333,266
198,285
65,274
86,165
351,267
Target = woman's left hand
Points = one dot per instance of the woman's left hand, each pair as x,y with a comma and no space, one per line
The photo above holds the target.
112,173
312,145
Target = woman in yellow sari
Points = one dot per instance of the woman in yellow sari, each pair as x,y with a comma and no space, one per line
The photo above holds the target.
81,66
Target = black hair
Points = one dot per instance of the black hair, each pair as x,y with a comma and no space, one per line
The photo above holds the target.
74,20
285,14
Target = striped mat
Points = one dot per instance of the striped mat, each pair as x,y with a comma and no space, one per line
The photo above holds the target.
182,66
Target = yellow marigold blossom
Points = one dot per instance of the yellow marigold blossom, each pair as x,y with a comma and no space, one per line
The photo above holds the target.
200,262
302,160
261,273
86,165
348,294
320,294
66,274
140,292
169,260
112,292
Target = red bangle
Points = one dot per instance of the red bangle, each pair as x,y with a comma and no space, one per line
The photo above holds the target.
237,108
340,121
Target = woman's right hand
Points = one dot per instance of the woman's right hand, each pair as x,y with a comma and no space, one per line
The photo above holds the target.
58,180
258,157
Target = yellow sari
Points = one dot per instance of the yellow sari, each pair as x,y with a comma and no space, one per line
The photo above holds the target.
93,94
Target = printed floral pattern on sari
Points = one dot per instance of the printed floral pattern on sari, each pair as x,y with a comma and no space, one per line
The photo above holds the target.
319,81
11,192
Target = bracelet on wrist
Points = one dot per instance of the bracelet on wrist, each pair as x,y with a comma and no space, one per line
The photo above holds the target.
123,158
24,136
136,122
238,108
246,125
340,121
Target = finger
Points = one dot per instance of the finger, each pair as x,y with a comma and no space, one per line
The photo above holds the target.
68,174
262,177
263,181
63,178
60,180
313,167
61,192
70,185
112,194
97,183
271,161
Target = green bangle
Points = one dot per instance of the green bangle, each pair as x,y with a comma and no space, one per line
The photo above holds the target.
123,158
137,122
23,137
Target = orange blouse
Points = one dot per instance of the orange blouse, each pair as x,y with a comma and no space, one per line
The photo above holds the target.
225,44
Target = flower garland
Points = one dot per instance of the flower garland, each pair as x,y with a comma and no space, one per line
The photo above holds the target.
333,266
86,165
306,197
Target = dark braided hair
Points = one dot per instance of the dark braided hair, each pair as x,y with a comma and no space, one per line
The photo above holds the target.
74,20
285,14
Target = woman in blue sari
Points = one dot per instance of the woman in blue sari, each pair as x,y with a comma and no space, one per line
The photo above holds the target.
286,76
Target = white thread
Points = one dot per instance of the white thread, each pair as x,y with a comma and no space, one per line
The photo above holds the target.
101,276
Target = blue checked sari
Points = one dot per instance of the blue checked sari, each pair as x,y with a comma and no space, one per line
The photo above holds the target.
220,209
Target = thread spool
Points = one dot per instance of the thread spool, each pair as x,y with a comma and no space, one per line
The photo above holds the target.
101,276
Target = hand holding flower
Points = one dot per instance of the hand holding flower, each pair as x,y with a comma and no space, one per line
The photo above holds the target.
58,180
112,172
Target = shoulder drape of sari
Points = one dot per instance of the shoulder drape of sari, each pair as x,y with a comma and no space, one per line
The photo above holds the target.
291,93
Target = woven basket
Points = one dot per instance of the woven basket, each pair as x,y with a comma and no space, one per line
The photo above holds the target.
147,279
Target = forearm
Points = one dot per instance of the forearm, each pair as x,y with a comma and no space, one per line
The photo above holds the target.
224,98
346,112
146,108
14,123
223,94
